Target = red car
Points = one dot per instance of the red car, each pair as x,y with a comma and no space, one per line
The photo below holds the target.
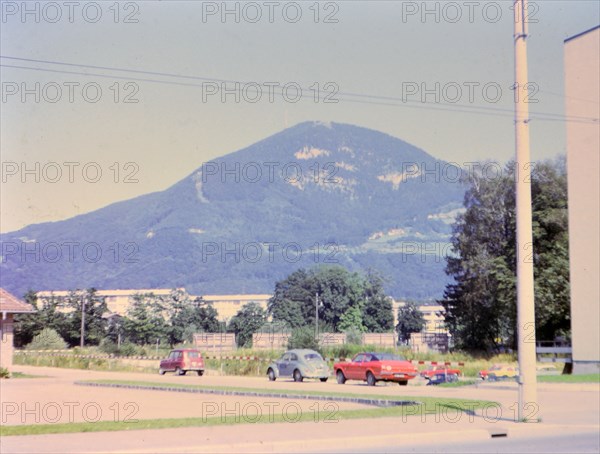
374,367
182,360
440,369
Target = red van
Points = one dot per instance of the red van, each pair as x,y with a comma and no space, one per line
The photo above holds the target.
182,360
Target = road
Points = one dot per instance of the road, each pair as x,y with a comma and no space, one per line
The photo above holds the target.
586,442
570,413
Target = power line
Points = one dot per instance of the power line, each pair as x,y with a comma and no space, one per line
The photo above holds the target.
391,101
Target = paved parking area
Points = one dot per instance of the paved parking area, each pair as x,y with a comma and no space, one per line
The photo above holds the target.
564,409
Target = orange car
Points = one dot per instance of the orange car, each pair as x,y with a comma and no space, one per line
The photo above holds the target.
439,369
374,367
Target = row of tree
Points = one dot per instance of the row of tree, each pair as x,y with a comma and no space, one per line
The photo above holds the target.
345,301
150,318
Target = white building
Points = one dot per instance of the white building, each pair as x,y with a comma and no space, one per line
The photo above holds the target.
582,99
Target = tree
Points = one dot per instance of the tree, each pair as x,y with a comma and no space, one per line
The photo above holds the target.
94,307
145,322
352,319
346,299
47,339
378,314
47,315
290,298
187,316
481,302
410,320
246,322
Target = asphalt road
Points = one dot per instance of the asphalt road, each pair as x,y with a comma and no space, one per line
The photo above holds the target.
581,443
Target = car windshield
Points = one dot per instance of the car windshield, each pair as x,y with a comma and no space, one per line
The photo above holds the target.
387,357
313,357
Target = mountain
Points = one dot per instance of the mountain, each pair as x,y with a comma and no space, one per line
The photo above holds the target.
313,193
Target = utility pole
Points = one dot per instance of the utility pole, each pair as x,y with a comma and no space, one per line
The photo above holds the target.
525,294
317,317
82,340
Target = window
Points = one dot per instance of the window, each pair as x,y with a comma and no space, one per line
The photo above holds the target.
312,357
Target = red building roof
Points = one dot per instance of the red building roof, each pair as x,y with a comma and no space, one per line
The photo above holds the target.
11,304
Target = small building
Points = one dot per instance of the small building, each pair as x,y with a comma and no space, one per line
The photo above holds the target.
9,305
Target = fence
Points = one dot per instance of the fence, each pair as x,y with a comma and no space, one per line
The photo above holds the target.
426,342
215,342
549,351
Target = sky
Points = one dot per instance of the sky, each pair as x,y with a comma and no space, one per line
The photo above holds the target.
92,111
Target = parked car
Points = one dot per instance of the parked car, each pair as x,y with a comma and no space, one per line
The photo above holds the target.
299,364
499,371
374,367
181,361
434,370
440,378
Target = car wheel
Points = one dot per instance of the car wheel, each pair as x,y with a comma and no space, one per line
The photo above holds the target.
271,374
298,376
324,379
453,377
178,371
341,379
371,379
405,382
161,371
200,372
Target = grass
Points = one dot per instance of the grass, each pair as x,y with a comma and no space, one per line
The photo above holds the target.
583,378
424,400
430,405
458,384
72,362
22,375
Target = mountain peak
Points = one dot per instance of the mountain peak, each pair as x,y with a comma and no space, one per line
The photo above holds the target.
318,192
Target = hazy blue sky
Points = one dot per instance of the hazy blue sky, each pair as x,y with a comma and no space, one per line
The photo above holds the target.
375,48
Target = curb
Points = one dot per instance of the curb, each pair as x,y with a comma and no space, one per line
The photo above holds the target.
356,400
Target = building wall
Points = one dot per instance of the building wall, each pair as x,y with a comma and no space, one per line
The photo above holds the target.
6,341
229,305
582,82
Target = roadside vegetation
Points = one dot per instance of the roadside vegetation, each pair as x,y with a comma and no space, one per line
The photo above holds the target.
583,378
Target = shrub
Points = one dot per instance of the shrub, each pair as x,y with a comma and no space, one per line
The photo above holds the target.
303,338
354,336
47,339
4,373
109,347
128,349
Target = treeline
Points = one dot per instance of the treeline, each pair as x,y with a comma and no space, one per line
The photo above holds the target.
169,320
